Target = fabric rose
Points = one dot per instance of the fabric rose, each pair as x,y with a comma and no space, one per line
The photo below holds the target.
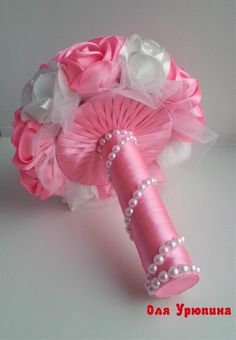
47,97
92,66
35,157
145,62
23,159
31,183
22,136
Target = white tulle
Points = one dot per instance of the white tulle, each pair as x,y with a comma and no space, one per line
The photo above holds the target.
48,98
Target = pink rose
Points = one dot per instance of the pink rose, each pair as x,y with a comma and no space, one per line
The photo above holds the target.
31,183
190,90
22,139
22,136
92,66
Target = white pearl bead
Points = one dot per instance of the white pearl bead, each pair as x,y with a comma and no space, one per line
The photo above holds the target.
184,268
108,164
163,250
131,133
152,269
127,220
163,276
127,229
99,148
158,259
116,148
171,244
124,132
131,137
155,283
182,239
137,194
127,139
122,141
116,132
151,291
147,278
142,186
198,269
173,272
178,240
153,180
133,202
108,136
128,211
102,141
112,156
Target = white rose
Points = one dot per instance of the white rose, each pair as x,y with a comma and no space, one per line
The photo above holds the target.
146,62
48,98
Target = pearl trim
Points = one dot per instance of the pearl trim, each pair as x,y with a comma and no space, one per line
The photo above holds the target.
152,284
159,258
137,194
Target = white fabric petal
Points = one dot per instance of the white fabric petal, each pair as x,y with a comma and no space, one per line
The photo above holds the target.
43,85
174,153
77,194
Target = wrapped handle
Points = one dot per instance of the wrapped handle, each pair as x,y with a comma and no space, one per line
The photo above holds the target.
167,264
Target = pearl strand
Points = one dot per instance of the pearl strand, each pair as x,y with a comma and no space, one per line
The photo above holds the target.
159,258
137,194
152,284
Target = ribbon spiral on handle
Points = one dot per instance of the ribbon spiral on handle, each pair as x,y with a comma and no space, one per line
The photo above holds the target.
95,121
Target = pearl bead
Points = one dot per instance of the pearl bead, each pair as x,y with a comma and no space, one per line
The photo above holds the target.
128,211
178,240
112,156
163,250
152,269
173,272
198,269
99,148
122,141
158,259
133,202
116,148
147,278
102,141
108,136
137,194
142,186
155,283
116,132
127,220
127,229
184,268
182,239
163,276
151,291
108,164
171,244
131,133
131,137
124,132
127,139
153,180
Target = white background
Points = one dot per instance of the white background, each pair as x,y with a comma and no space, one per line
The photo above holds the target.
67,275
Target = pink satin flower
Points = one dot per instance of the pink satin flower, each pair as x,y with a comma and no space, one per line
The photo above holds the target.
190,90
22,139
32,184
92,66
22,136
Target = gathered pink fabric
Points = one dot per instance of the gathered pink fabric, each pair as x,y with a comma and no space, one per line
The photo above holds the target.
76,148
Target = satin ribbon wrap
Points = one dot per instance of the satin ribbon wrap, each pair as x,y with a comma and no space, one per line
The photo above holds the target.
151,225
